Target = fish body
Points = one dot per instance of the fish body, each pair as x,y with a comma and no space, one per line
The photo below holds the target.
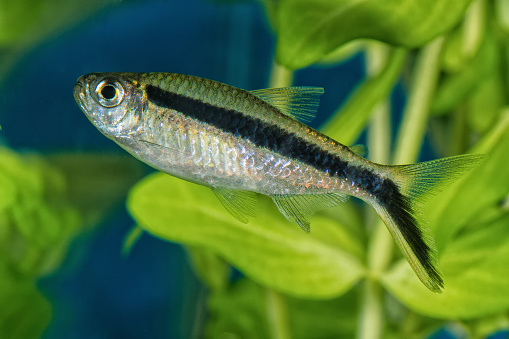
240,143
217,135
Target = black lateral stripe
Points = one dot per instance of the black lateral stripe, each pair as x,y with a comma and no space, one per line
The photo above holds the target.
400,210
263,134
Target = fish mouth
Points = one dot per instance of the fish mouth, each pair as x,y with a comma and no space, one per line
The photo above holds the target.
79,94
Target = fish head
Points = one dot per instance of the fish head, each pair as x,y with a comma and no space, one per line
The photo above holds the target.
113,102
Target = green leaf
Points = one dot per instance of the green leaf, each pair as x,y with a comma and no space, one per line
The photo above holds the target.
24,21
241,312
463,42
484,327
453,56
211,269
475,272
485,104
457,87
336,318
38,223
343,53
8,191
483,187
307,30
268,249
25,312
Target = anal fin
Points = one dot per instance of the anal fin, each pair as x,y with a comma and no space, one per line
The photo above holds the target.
240,204
299,209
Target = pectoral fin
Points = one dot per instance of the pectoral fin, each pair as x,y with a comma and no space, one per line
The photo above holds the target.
164,149
299,209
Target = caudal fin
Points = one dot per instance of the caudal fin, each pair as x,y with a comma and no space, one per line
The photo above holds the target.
399,209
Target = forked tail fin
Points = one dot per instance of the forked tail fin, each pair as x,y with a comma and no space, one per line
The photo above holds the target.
399,209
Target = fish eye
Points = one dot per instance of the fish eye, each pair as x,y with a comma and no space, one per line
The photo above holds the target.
109,93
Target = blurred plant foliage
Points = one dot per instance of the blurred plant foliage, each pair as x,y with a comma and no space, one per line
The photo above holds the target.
44,203
24,23
345,279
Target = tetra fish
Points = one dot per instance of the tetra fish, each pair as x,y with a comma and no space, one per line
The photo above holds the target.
240,143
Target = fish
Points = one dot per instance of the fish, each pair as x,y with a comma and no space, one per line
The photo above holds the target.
242,143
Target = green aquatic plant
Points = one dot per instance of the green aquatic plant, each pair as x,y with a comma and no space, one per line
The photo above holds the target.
345,278
25,23
45,202
36,227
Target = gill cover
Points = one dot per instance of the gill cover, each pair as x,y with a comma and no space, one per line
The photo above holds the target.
114,105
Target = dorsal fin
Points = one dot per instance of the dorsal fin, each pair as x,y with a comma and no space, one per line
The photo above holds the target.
359,149
299,103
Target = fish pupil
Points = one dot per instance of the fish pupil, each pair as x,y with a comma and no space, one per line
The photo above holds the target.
108,92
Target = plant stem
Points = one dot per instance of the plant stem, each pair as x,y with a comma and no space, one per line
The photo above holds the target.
277,316
474,27
415,116
379,142
408,144
371,320
280,76
407,148
381,243
130,239
379,129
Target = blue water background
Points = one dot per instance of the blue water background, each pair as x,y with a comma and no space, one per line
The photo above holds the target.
151,293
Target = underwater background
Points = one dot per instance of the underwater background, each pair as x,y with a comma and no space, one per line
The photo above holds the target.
94,287
97,292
